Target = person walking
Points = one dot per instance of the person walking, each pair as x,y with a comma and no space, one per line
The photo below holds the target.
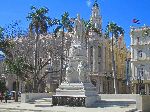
6,96
1,96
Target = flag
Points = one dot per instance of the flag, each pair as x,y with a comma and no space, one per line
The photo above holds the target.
137,21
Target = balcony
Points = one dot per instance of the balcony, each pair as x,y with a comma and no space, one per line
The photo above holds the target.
144,59
145,77
138,44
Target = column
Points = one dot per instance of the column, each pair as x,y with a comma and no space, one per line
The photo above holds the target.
101,85
89,57
134,88
103,57
98,85
95,58
147,89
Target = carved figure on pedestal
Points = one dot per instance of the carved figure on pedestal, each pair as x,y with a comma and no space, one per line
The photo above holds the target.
79,29
71,74
82,70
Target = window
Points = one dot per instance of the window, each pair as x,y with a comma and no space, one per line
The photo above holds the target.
138,39
99,51
91,50
140,72
139,53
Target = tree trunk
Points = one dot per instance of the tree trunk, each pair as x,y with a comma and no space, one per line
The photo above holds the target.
17,89
35,85
114,67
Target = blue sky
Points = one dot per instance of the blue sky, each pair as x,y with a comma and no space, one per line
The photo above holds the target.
120,11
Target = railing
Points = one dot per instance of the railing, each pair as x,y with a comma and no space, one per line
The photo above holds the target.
141,59
140,43
68,100
142,78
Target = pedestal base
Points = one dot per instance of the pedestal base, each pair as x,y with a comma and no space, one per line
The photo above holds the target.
75,94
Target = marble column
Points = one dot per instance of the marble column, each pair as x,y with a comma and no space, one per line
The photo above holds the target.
95,58
147,89
89,57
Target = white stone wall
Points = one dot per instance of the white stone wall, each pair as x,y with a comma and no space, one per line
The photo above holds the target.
140,42
140,57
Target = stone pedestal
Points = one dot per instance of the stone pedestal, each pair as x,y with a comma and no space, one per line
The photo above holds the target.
76,89
75,94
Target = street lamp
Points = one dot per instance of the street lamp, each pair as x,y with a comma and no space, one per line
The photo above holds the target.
2,83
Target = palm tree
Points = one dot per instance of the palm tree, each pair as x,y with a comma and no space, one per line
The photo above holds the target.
39,23
114,30
66,25
89,27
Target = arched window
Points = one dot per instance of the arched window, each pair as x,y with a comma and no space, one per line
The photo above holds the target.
139,53
138,40
99,51
91,51
140,71
93,82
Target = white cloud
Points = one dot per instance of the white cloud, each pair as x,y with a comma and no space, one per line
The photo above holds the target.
88,3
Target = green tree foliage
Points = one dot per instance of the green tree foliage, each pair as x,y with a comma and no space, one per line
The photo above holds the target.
2,86
39,23
114,30
64,24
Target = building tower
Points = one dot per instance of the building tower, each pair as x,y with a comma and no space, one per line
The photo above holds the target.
96,50
96,18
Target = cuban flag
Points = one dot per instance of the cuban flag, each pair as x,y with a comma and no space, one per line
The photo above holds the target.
137,21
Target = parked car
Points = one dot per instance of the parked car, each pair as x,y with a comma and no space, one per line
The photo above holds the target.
12,94
9,95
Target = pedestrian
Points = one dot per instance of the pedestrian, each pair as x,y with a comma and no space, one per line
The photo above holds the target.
1,96
6,96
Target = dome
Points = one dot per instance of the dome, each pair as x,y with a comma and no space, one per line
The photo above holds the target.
95,4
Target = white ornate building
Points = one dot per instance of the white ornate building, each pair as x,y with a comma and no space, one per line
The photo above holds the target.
140,59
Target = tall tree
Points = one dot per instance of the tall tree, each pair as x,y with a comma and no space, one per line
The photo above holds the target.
17,67
64,24
89,27
39,23
114,30
13,65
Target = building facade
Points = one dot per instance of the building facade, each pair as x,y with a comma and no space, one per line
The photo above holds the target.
140,59
98,52
100,58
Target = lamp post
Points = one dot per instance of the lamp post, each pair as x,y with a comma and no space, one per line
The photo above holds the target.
2,83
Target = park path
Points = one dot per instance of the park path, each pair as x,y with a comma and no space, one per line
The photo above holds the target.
44,105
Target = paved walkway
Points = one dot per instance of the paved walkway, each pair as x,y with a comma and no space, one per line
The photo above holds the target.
45,107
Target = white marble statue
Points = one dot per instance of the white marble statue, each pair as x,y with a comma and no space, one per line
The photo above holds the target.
77,70
82,70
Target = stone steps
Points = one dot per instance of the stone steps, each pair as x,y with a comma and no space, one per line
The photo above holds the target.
43,100
114,103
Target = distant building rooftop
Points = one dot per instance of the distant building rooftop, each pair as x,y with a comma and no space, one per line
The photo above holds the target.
140,28
2,56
